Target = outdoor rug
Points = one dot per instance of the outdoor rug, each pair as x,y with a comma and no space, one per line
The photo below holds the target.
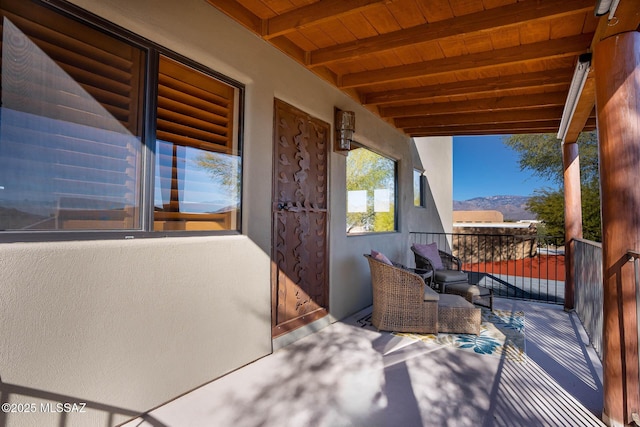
501,335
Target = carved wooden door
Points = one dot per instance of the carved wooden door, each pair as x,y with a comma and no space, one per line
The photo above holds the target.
300,289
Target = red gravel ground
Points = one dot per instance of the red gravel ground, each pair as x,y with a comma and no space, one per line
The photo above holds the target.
541,266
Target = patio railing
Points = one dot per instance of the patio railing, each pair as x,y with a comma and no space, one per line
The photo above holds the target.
519,266
634,256
587,267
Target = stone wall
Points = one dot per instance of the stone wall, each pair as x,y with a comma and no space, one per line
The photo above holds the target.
494,244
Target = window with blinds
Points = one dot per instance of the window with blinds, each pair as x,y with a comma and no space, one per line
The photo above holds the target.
70,149
71,130
197,179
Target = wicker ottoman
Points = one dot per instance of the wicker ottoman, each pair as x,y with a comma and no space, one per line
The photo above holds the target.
473,293
457,315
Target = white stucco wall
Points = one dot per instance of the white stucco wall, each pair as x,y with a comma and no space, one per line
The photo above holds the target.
435,156
134,323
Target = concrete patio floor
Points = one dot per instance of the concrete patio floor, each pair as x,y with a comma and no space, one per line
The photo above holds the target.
346,375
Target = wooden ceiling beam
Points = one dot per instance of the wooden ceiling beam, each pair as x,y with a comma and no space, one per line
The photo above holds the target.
558,48
239,13
295,19
488,20
489,86
584,109
417,133
480,118
502,103
313,14
550,126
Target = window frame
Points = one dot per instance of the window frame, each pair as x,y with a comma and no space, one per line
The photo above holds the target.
152,51
396,195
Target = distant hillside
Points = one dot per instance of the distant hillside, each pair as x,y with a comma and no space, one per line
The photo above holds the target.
513,208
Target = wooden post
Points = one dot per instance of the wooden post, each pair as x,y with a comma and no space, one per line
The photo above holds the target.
617,69
572,215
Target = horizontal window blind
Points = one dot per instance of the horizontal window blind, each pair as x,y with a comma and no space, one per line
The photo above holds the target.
197,170
194,109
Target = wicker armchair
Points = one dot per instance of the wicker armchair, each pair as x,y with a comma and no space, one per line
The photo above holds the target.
450,262
403,303
452,280
449,273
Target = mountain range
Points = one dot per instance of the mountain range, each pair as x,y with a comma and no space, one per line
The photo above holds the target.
513,208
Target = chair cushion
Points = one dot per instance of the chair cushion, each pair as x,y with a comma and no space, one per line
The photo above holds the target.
466,288
430,294
380,257
445,276
450,300
430,252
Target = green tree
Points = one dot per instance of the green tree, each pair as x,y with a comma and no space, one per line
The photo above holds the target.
368,172
548,205
542,155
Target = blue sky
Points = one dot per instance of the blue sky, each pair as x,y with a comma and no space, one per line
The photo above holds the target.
484,166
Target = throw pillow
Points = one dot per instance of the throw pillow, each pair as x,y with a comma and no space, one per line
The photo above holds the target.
430,252
380,257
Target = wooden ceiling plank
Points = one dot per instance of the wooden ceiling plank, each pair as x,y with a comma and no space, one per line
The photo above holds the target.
407,14
534,32
360,28
541,100
480,118
566,25
489,20
569,46
466,7
478,42
315,13
453,47
303,42
549,78
506,37
490,4
436,10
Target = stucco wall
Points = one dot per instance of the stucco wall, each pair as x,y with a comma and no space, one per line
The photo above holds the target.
435,157
134,323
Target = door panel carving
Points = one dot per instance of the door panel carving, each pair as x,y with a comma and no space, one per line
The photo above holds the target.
300,285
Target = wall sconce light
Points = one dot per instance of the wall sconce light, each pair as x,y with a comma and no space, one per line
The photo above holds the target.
345,125
577,84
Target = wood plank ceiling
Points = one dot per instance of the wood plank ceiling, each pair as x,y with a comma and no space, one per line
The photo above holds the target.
437,67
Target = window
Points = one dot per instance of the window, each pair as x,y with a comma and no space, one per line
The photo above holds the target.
371,192
197,179
74,123
418,188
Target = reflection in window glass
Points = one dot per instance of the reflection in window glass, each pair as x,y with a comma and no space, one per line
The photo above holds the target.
418,188
70,151
72,111
371,192
195,189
